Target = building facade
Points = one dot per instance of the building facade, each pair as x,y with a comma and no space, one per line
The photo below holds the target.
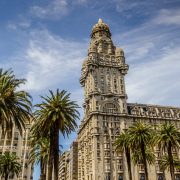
107,113
68,166
18,145
64,166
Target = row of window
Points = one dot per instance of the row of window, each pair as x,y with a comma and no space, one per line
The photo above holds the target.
142,177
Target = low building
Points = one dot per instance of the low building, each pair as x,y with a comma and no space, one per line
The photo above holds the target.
63,166
18,145
68,166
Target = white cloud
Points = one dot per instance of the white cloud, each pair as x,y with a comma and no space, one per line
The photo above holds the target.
156,81
55,9
20,23
168,17
80,1
52,60
123,5
147,42
25,24
153,55
11,26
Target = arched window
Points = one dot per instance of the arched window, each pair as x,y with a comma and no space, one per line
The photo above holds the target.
110,108
160,177
120,177
142,177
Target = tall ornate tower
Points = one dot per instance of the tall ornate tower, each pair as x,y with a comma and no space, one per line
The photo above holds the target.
105,107
107,114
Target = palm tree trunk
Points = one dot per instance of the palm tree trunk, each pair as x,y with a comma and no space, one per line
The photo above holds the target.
45,170
51,156
171,162
144,161
42,176
56,150
6,177
164,175
128,158
41,169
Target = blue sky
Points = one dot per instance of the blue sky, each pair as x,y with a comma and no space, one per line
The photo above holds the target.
45,41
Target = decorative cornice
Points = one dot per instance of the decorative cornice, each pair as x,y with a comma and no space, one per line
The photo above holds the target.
153,111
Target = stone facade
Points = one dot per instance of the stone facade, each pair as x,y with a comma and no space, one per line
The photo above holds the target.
68,166
18,145
64,166
107,113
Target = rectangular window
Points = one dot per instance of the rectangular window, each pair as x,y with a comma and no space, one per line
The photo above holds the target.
97,106
98,145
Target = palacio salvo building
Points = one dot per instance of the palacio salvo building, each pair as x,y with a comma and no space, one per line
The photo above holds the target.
107,113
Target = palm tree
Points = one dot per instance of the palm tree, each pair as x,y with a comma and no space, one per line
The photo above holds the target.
9,165
57,113
165,162
15,105
122,144
39,153
137,156
141,138
169,138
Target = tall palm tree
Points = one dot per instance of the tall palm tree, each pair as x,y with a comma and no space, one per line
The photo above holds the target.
15,105
39,153
57,113
141,139
169,138
9,165
122,144
165,162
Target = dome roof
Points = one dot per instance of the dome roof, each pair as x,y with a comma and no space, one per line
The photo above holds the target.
100,26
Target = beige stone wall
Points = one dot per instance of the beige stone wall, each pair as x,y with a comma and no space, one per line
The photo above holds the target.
18,145
68,167
64,166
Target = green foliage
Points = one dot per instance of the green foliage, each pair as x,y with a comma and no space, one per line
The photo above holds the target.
122,142
40,148
141,138
56,108
9,165
57,113
165,162
169,139
138,159
15,105
168,133
141,134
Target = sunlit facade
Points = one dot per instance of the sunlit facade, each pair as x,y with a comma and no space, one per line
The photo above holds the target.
107,113
18,145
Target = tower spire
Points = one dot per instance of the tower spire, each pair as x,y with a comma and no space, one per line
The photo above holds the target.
101,27
100,21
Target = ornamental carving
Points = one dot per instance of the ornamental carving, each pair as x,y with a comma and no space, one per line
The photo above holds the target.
153,111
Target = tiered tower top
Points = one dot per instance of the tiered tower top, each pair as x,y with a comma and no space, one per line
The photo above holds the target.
102,52
100,27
